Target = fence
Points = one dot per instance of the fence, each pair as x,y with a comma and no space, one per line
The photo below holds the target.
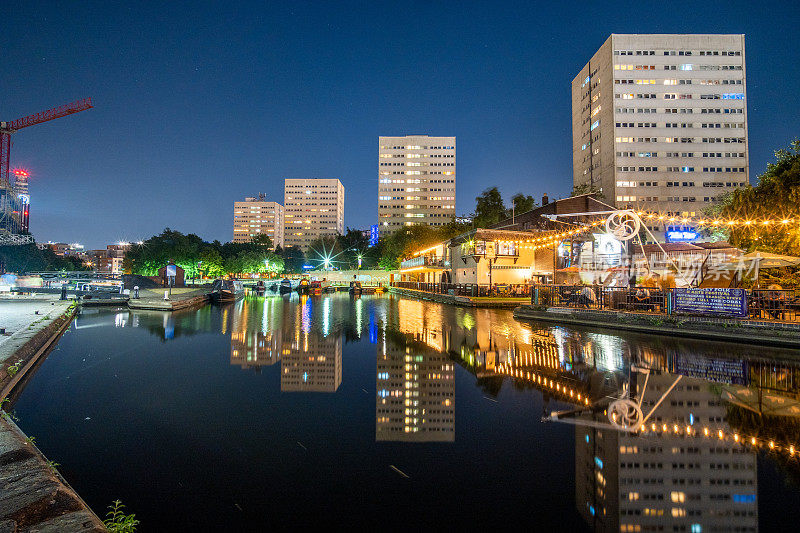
762,304
468,289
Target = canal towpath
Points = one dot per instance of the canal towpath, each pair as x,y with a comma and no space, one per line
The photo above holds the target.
33,495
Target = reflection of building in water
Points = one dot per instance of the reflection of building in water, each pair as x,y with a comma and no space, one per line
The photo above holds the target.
415,394
311,363
255,348
256,335
663,480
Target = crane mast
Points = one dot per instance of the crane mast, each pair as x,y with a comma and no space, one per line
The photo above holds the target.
14,208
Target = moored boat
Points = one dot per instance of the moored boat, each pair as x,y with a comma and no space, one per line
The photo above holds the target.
303,287
285,286
226,290
355,288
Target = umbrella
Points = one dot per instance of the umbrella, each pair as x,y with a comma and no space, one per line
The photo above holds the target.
768,260
761,260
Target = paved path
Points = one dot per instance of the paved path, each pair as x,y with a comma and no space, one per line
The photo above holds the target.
20,319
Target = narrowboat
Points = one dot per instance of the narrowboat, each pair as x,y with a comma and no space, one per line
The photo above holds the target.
226,290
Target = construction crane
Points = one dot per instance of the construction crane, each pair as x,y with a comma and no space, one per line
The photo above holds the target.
13,208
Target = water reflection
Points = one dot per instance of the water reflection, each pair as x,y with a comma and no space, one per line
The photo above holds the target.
415,399
692,467
667,480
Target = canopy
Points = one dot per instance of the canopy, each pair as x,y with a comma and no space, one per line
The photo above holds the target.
768,260
761,260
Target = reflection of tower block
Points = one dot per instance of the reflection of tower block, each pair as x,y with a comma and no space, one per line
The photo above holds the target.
415,396
663,481
312,364
255,349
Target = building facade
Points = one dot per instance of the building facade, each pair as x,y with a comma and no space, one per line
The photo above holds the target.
313,208
416,181
659,123
257,216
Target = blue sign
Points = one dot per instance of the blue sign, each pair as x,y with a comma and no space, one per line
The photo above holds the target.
683,235
171,271
712,301
308,266
373,235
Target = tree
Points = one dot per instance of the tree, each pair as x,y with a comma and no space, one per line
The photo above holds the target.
262,240
585,188
293,259
775,196
325,252
405,242
211,263
29,258
523,203
489,208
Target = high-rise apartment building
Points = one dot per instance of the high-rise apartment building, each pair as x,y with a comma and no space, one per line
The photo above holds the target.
314,208
659,123
257,216
416,181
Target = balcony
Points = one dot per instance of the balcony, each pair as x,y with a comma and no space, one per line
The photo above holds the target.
425,262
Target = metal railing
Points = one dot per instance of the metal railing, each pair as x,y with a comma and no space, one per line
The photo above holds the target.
468,289
762,304
646,299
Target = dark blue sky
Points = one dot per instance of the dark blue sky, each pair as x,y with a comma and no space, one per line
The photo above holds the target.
200,104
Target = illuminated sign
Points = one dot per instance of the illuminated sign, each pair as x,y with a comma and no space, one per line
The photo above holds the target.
373,235
681,235
308,266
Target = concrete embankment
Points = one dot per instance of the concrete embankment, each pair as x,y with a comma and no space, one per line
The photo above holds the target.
33,495
153,299
464,301
762,332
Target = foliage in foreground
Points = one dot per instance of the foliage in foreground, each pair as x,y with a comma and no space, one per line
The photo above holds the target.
29,258
775,196
197,256
117,521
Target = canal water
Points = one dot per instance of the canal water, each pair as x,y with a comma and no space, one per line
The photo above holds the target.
380,411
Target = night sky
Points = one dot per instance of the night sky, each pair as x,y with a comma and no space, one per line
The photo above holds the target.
200,104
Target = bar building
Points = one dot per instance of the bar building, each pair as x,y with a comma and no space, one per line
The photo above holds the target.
314,208
659,123
257,216
416,181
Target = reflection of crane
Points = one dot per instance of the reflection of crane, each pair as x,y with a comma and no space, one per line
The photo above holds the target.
13,209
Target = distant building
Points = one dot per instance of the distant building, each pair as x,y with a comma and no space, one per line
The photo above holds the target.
314,208
257,216
62,248
659,123
416,181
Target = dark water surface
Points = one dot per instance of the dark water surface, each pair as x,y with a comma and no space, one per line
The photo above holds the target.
382,412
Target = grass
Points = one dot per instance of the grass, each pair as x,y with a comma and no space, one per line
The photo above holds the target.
117,521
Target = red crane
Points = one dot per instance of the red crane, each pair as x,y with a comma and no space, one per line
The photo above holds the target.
13,216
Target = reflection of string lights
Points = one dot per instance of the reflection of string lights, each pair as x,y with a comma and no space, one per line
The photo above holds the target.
721,435
654,429
577,397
